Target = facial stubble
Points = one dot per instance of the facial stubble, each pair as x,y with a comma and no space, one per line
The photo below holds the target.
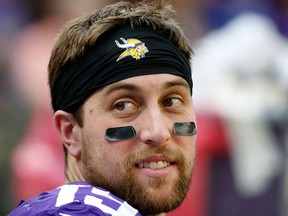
130,189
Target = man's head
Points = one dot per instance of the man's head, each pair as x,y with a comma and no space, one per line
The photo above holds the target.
127,66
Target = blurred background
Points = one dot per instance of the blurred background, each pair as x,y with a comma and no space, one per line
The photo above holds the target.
240,72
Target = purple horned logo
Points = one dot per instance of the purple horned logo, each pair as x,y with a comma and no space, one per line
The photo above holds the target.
134,48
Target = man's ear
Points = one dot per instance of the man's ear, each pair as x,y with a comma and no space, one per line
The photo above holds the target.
69,131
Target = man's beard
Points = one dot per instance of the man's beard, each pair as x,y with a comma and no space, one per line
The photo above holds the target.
133,192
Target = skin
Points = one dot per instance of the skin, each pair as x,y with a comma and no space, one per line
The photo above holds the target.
151,104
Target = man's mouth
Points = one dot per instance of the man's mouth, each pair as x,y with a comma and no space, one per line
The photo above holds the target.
154,165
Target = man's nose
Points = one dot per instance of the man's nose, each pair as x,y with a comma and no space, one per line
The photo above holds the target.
154,128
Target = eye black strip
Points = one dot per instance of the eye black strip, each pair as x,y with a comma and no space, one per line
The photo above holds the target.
184,128
120,133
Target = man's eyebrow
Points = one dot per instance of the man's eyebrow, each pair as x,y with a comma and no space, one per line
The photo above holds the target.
121,86
178,82
132,87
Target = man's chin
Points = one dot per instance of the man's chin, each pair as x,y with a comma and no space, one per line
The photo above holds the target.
158,203
157,196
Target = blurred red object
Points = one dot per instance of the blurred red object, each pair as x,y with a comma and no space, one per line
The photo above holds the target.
38,160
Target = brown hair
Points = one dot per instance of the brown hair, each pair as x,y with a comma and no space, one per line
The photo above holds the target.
84,31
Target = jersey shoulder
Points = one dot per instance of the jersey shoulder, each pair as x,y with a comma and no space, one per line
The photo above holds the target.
77,198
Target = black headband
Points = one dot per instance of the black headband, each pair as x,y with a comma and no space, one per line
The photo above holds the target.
119,54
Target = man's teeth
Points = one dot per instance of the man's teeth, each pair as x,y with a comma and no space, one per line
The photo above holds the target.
154,165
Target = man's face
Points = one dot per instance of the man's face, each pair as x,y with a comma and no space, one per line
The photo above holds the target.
151,171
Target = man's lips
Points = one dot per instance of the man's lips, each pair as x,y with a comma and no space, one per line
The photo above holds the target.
155,162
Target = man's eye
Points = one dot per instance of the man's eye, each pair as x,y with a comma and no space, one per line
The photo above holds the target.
125,106
172,102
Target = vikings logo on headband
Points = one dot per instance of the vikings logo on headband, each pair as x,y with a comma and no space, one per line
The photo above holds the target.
128,132
134,48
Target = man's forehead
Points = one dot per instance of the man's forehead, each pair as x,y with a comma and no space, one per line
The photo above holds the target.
151,81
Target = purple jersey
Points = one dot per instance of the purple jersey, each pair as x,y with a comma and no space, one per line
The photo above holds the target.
75,199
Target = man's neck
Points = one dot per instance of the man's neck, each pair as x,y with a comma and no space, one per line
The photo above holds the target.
72,172
161,214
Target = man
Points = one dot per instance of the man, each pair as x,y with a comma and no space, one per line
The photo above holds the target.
120,82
